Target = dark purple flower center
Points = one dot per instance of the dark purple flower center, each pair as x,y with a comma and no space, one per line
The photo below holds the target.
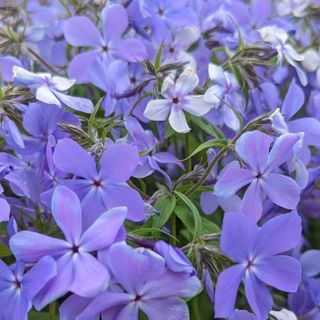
259,175
17,284
105,48
75,249
250,263
133,79
137,298
97,183
160,11
175,100
58,38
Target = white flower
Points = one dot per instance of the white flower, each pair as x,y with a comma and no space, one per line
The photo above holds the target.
177,100
284,314
278,38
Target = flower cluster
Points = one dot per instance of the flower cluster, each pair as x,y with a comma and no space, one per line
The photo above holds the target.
159,160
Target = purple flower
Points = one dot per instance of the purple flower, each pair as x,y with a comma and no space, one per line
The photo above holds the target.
256,252
260,164
80,31
78,270
18,288
6,65
305,302
145,141
278,38
162,15
174,257
177,100
48,89
141,281
104,187
223,96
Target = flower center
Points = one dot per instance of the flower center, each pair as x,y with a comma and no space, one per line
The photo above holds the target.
97,183
137,298
133,80
250,264
175,100
160,12
17,284
75,249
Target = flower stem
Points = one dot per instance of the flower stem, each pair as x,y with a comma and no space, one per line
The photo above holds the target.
187,151
203,178
195,309
52,311
173,229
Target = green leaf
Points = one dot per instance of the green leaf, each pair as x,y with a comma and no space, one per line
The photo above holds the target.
165,205
4,250
207,127
214,143
93,116
34,315
153,230
158,57
193,221
208,226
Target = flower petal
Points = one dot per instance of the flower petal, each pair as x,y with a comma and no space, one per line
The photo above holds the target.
73,306
187,82
102,302
310,127
58,286
231,180
253,148
278,235
157,110
251,203
79,66
80,31
66,210
118,195
172,308
119,162
196,105
130,50
281,190
293,100
131,267
226,290
310,261
69,157
46,95
115,21
238,236
178,120
282,150
30,246
90,276
62,84
104,230
35,279
259,298
280,272
76,103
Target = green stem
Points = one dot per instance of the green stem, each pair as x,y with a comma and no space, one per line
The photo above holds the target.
173,229
52,311
188,149
42,61
195,309
203,178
